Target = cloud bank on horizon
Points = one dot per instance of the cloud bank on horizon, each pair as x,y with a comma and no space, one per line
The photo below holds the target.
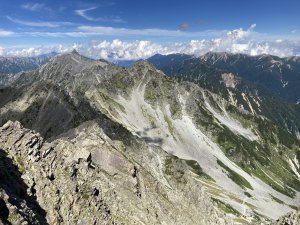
115,30
235,41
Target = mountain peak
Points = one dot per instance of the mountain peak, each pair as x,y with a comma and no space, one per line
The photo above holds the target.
61,68
73,57
75,52
144,64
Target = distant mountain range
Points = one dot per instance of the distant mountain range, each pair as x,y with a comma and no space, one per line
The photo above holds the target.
279,75
10,67
250,94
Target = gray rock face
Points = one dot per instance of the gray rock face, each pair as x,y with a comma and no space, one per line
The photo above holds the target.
84,177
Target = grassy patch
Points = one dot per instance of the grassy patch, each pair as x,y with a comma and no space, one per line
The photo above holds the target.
150,118
238,179
226,207
173,168
85,196
20,164
196,168
294,207
271,180
170,126
248,194
298,155
277,200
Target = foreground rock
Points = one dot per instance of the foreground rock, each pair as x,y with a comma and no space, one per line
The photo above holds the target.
292,218
84,177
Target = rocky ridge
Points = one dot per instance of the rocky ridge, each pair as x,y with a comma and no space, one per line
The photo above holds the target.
84,177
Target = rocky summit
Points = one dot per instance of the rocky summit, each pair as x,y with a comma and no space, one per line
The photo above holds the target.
84,141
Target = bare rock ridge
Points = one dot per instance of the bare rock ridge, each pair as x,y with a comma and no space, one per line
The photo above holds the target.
86,178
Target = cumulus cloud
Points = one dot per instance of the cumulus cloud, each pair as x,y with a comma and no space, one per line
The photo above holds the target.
235,41
25,52
1,51
38,50
120,50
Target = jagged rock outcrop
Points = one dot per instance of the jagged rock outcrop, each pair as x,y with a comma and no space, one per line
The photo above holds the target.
292,218
84,177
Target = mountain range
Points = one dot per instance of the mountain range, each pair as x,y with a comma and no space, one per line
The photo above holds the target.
183,140
12,67
234,82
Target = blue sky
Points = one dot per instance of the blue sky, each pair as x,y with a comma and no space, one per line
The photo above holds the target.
61,25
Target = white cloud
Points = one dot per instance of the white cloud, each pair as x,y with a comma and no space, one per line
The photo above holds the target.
39,23
83,14
26,52
6,33
235,41
1,51
118,50
33,6
113,31
87,31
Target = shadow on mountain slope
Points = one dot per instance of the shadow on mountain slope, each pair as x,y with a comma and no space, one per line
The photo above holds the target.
14,186
53,111
52,118
147,137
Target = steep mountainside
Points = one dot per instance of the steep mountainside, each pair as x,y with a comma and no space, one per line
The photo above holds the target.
133,146
279,75
170,64
248,96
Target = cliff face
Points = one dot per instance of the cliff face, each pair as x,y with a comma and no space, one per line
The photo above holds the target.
84,177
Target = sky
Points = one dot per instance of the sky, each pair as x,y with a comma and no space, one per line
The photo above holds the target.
135,29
